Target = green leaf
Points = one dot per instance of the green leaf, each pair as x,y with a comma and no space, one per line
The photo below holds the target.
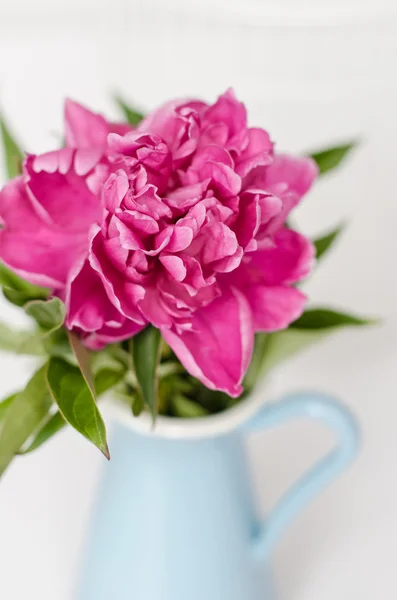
9,279
132,116
17,298
172,383
54,424
56,343
213,401
13,155
20,342
35,343
104,380
4,405
17,290
49,314
76,402
23,416
84,360
255,368
330,158
137,405
12,281
170,367
312,327
112,357
146,352
283,345
185,408
324,318
324,243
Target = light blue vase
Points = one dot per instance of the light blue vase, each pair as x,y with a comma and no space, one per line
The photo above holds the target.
175,517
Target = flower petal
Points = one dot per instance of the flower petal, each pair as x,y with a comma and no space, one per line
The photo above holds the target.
174,266
92,314
218,348
298,173
88,306
124,294
59,194
228,110
259,151
177,123
220,241
83,128
34,249
274,308
110,335
288,261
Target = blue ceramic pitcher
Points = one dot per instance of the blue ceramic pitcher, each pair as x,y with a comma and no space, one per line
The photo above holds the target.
175,517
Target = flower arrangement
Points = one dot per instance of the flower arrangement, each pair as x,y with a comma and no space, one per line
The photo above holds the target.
156,258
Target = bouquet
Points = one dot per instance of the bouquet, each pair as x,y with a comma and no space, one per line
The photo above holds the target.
157,259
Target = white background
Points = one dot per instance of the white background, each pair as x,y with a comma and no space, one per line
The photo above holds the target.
312,74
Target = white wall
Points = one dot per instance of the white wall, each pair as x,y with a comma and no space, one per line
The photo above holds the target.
311,75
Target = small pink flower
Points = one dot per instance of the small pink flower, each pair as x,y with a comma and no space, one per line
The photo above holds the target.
180,223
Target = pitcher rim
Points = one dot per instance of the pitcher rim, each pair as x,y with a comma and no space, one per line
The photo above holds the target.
191,428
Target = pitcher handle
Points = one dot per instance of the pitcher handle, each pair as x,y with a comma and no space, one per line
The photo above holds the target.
322,408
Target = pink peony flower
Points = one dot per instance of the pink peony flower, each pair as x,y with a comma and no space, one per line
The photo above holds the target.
180,223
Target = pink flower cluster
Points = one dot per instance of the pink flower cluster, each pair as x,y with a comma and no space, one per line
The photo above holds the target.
179,223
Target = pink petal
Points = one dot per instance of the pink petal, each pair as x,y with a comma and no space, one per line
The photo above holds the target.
175,266
161,241
288,261
149,202
176,123
194,218
218,348
59,194
215,133
258,152
158,119
228,263
187,196
111,335
91,311
140,222
220,241
83,128
211,154
88,305
154,309
128,239
115,252
124,294
297,173
288,178
215,164
274,308
120,128
270,207
224,179
37,251
85,160
115,190
227,109
181,238
248,219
